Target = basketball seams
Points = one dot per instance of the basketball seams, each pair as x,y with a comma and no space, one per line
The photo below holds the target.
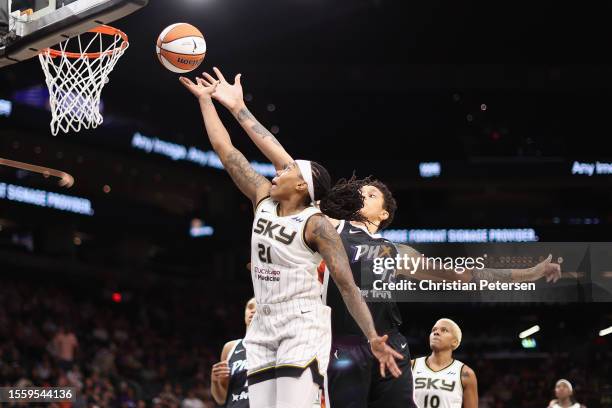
180,38
178,54
180,30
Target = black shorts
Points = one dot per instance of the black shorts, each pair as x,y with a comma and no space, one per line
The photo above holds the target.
354,381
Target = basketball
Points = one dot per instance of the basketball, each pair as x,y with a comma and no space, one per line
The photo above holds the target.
181,48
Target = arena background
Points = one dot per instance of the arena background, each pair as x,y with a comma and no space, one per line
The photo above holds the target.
504,98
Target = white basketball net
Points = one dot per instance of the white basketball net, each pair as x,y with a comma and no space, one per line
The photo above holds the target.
75,79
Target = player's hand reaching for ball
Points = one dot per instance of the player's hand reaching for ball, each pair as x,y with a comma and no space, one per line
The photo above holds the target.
220,372
229,95
386,356
202,89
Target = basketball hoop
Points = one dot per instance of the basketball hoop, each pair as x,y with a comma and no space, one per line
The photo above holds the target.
75,79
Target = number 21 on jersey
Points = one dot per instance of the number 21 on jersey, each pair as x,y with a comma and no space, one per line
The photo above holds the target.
264,253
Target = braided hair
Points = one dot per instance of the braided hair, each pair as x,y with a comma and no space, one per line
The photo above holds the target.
344,200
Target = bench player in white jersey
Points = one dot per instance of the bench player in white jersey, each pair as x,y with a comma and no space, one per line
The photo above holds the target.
564,391
440,381
289,340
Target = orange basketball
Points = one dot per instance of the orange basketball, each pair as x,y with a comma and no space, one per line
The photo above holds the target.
181,47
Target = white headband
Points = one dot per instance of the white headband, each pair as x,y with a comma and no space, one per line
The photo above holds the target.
306,170
564,381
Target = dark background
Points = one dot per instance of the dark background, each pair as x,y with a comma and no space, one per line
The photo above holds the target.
374,87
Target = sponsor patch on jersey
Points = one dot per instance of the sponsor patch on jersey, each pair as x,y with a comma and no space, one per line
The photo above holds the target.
267,274
242,396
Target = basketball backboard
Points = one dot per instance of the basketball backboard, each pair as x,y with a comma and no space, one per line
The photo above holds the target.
32,30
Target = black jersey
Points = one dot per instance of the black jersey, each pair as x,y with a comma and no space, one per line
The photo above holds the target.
362,248
237,391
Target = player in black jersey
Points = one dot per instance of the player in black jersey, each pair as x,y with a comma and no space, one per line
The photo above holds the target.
354,378
228,384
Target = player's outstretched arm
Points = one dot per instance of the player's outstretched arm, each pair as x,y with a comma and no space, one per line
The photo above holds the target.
231,96
252,184
422,273
545,269
219,375
470,387
321,235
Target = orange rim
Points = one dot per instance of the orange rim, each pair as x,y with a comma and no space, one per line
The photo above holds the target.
103,29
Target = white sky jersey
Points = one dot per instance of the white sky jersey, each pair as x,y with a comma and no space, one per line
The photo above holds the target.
555,405
437,389
283,267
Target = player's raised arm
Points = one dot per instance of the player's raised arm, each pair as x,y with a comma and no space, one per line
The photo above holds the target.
470,387
251,183
231,96
545,269
321,235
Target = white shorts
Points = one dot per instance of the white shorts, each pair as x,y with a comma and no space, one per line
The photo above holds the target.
286,338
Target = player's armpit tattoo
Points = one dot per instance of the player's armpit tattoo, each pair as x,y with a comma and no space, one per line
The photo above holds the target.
241,171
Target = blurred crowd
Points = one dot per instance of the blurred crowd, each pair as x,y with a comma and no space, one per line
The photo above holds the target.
530,383
156,350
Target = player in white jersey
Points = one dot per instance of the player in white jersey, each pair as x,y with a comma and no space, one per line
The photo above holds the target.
564,391
228,385
440,381
289,340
